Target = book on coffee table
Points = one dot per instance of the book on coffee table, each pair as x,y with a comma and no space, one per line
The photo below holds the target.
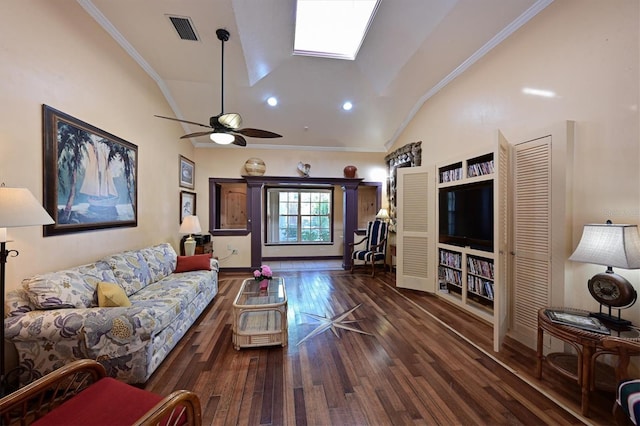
577,320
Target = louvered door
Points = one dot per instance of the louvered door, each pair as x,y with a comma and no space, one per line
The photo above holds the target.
416,260
531,235
501,302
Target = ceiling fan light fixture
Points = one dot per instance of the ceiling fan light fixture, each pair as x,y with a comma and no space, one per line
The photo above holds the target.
222,138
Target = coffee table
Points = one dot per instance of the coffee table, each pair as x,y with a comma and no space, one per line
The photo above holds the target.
260,316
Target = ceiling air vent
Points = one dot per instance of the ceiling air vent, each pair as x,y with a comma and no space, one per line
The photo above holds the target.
184,27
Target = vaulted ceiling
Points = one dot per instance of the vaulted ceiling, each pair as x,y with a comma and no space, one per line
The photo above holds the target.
413,49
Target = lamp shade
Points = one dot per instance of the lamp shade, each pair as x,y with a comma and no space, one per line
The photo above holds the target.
18,207
190,225
612,245
222,138
382,214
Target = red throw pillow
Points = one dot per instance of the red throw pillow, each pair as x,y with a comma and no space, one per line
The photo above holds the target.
197,262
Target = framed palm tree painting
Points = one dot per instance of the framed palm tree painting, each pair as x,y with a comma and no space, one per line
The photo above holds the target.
90,176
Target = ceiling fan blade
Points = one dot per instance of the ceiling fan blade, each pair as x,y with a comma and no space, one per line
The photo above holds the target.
257,133
196,134
240,141
182,121
230,120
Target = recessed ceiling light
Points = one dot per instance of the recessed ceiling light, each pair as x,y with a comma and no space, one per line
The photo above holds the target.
272,101
332,29
539,92
347,106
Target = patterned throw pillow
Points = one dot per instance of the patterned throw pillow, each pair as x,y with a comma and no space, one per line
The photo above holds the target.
112,295
93,273
62,289
161,259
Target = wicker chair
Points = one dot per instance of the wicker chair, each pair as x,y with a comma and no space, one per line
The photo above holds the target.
375,249
81,393
626,409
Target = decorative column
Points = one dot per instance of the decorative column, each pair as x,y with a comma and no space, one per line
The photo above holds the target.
350,218
254,219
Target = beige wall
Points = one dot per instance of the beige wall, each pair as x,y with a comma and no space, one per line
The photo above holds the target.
229,163
57,55
61,57
586,51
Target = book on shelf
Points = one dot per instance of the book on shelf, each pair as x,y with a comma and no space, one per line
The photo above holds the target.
480,286
481,169
488,288
477,266
451,276
452,259
450,175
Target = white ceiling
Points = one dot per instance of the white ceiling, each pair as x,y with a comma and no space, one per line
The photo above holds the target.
413,48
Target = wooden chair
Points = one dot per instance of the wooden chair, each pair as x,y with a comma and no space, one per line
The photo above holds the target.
626,409
80,393
375,248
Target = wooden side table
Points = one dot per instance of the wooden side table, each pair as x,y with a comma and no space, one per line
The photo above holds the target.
203,248
588,346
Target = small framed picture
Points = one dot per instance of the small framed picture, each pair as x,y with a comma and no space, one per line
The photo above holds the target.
187,204
187,173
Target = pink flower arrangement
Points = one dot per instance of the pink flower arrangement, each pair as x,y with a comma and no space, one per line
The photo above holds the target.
263,273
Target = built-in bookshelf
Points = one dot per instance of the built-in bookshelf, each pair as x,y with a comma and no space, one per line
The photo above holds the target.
480,278
456,172
480,166
463,266
450,271
466,220
451,173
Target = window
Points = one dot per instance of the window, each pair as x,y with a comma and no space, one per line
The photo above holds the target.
299,216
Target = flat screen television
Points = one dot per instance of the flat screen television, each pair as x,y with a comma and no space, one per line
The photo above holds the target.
466,216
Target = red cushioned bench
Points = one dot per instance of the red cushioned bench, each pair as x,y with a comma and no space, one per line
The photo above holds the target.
80,393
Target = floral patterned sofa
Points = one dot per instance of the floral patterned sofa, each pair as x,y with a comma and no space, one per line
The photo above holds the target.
55,317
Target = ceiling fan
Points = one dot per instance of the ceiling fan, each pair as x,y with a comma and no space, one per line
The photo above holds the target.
225,128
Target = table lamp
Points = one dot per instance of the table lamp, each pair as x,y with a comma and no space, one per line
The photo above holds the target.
610,245
382,215
190,225
18,208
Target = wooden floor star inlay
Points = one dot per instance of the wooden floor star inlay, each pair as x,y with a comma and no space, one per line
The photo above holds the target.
333,323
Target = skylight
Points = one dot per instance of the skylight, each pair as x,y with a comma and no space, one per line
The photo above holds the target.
332,28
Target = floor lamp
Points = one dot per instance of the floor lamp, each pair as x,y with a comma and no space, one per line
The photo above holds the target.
18,207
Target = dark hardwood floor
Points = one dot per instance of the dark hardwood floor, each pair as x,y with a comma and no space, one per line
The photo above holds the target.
418,367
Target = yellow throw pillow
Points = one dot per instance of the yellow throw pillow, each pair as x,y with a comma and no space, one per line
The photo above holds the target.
112,295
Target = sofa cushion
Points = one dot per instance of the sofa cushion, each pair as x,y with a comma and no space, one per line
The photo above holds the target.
161,259
112,295
169,296
130,269
62,289
198,262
